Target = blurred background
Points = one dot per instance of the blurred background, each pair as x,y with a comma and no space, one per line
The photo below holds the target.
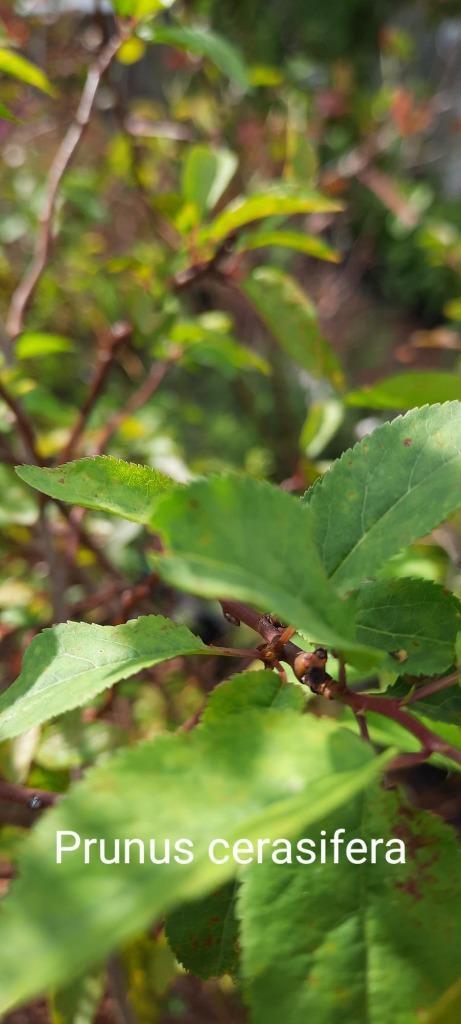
142,339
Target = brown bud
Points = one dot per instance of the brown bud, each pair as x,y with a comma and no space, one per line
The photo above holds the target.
302,664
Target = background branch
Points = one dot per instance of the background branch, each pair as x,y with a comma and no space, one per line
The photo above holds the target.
25,290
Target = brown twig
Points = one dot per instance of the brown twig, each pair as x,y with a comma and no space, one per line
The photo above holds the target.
116,336
23,423
360,703
433,687
135,401
26,288
34,799
84,537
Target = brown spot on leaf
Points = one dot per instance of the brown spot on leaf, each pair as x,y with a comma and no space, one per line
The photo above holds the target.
399,656
408,441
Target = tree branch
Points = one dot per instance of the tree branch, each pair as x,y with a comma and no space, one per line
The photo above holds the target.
432,687
321,682
136,400
34,799
23,423
23,294
117,336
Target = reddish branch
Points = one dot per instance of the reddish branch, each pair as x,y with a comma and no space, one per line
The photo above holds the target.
118,335
23,424
278,647
360,703
26,288
432,687
135,401
34,799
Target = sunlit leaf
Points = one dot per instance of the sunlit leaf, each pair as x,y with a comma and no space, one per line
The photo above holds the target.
102,483
66,665
311,245
34,344
393,487
276,203
241,538
14,64
406,390
274,774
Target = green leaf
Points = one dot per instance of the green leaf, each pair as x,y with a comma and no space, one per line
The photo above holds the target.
206,344
406,390
240,538
67,665
102,483
442,706
206,175
204,43
321,424
78,1003
5,114
343,943
35,344
13,64
204,934
393,487
311,245
261,689
274,774
415,620
291,317
385,731
277,202
141,8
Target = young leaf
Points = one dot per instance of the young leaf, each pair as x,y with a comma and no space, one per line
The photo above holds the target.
67,665
206,175
274,774
141,8
204,934
406,390
415,620
102,483
290,316
203,43
311,245
244,539
35,344
390,489
353,942
13,64
276,203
